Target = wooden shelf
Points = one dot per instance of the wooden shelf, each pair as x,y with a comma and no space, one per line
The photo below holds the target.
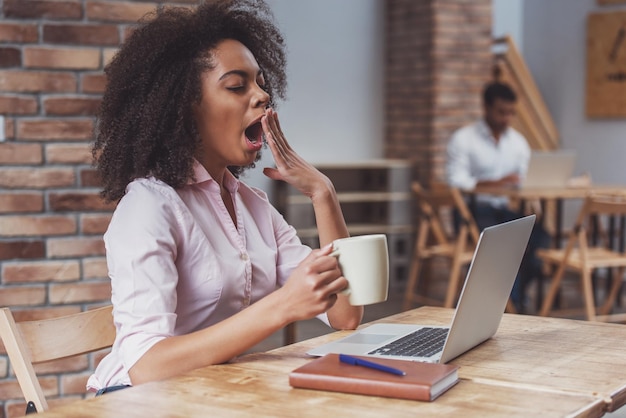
362,229
375,197
356,197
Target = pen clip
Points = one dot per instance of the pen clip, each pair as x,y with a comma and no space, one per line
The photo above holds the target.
355,361
344,358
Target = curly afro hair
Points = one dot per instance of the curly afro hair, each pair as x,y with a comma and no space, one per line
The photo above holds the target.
145,125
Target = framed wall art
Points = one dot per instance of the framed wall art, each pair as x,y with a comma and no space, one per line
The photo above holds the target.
606,65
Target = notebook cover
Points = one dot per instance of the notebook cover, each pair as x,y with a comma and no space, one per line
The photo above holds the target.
422,382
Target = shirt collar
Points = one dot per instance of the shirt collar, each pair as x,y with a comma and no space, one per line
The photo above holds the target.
485,131
201,175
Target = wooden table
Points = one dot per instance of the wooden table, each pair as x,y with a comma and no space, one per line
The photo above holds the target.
546,194
533,366
557,195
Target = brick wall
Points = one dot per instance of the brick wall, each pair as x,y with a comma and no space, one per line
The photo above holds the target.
438,59
51,218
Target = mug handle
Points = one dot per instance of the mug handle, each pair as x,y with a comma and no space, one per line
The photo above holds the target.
346,291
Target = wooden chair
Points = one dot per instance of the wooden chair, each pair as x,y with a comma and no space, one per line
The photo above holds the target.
434,242
32,342
584,258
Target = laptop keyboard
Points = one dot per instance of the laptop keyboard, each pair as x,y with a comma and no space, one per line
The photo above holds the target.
422,343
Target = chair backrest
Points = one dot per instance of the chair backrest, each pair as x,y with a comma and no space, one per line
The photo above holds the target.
596,207
465,215
31,342
430,203
440,195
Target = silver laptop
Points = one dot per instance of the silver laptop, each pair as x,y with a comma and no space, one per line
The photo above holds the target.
549,169
481,305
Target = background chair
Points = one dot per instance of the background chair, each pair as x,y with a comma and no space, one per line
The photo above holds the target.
31,342
585,255
434,240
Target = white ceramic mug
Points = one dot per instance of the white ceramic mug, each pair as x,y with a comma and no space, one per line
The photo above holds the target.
364,262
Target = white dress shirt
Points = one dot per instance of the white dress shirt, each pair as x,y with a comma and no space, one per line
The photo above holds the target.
474,155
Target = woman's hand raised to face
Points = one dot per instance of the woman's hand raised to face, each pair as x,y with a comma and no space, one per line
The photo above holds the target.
313,286
290,167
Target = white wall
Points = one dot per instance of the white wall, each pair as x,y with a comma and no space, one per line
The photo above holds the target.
554,48
335,105
508,20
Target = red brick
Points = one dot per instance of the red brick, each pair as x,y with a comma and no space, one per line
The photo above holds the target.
42,271
81,34
4,368
90,178
13,153
21,202
128,30
93,83
74,247
62,58
18,32
10,57
34,9
36,177
78,201
99,355
9,128
46,129
19,225
80,292
37,81
14,409
18,105
10,389
74,384
68,153
117,11
71,106
94,224
108,54
95,268
22,295
22,250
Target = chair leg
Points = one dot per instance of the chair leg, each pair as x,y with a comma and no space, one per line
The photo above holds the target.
510,307
411,285
590,304
613,292
552,291
453,284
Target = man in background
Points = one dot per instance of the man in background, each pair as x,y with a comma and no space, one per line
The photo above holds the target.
489,152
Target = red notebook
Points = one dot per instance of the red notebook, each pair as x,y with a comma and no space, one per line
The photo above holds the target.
422,381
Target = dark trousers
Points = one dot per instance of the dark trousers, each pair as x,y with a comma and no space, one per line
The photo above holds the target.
530,268
111,389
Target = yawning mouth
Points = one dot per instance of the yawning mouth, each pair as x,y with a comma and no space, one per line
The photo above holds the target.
254,133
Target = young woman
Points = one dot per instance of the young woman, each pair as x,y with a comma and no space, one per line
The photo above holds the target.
202,266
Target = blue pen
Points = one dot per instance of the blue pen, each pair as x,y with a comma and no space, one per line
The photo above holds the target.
344,358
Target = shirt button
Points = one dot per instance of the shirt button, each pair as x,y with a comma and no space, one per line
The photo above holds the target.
244,256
